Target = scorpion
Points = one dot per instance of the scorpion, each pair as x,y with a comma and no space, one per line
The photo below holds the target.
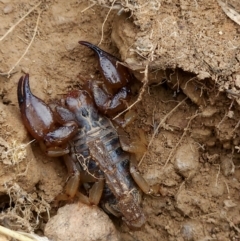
78,128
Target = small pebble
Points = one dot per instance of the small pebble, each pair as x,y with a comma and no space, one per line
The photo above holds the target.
25,69
78,221
187,159
227,166
211,142
209,111
229,203
227,145
70,46
8,9
192,230
201,135
216,189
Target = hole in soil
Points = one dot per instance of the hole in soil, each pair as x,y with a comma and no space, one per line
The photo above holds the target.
5,203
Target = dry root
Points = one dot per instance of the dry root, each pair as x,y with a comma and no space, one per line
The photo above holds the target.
12,153
24,212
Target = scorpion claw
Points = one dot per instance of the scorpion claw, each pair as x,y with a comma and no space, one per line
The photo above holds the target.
112,95
115,74
37,116
19,91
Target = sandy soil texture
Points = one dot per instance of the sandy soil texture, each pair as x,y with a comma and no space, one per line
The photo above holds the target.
188,115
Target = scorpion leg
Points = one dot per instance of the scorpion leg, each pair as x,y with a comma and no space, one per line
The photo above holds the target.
96,191
73,183
138,178
135,148
40,120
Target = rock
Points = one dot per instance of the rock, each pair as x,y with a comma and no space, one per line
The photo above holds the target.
237,81
227,145
211,142
229,203
203,75
209,111
189,203
78,221
190,90
227,166
216,189
8,9
201,135
186,160
192,230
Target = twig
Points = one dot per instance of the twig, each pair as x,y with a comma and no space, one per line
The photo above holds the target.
105,21
85,163
145,82
230,11
232,224
13,234
34,34
227,188
26,170
219,168
19,21
85,9
164,119
225,116
7,74
179,190
236,126
232,93
159,125
34,236
180,140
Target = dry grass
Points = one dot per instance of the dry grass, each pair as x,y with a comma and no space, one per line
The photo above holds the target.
25,208
21,236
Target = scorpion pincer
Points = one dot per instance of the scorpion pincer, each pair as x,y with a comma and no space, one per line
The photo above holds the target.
76,127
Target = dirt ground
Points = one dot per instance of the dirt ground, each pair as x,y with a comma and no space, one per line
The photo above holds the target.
189,111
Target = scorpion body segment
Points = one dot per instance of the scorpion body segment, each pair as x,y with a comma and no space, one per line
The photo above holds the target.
73,128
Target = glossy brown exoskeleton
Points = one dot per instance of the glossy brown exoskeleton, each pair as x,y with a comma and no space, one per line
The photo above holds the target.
76,127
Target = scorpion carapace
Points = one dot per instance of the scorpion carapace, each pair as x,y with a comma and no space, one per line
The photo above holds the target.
74,128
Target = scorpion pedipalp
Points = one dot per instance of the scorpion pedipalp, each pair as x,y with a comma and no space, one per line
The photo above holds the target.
37,116
112,96
39,119
114,73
